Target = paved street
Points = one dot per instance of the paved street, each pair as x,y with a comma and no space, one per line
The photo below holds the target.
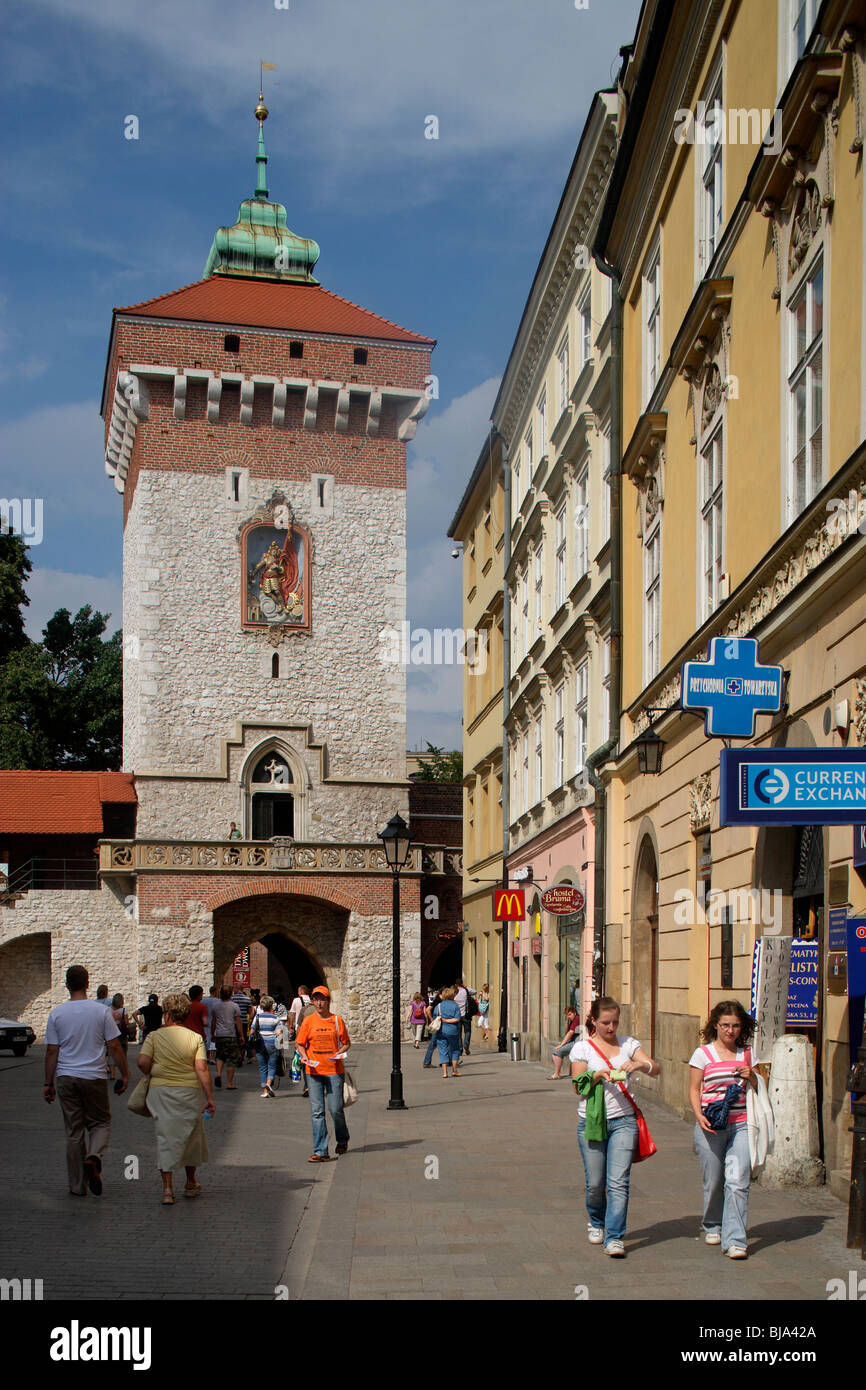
504,1219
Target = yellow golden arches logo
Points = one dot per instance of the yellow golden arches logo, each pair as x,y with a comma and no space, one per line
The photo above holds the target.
508,905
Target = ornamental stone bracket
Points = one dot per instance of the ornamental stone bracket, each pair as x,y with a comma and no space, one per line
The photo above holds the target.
860,711
131,404
700,802
644,463
118,858
851,40
702,350
795,187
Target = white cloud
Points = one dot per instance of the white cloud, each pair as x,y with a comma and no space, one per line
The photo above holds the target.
50,589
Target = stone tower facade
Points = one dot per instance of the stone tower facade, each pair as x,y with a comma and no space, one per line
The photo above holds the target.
256,428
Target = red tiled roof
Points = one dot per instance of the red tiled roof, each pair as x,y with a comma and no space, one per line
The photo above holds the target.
272,304
60,803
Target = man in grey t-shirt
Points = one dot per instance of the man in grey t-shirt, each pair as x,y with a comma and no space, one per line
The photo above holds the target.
76,1035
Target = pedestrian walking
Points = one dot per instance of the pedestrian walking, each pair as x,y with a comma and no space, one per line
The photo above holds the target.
197,1017
227,1033
416,1017
241,997
483,1018
300,1001
76,1036
431,1043
322,1043
212,998
263,1034
174,1059
448,1035
465,1001
720,1072
102,996
564,1046
121,1018
149,1016
602,1066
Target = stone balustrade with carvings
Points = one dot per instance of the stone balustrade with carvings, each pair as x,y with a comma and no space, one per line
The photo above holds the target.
117,857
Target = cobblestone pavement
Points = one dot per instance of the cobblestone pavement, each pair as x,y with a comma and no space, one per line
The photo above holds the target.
475,1191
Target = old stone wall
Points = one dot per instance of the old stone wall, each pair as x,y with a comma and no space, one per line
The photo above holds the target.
47,931
191,674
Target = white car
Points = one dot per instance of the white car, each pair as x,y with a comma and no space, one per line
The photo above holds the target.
18,1036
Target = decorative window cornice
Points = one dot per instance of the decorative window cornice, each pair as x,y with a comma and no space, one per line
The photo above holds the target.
644,463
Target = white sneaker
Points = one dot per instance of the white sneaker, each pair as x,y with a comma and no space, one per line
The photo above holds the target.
712,1237
737,1252
616,1248
594,1233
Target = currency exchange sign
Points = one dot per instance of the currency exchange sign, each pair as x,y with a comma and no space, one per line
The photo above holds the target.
793,786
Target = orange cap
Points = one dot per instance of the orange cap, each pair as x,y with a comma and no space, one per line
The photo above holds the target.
322,991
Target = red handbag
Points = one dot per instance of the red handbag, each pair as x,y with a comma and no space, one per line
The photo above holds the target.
645,1143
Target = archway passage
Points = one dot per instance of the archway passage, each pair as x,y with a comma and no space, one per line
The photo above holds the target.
448,965
25,978
644,947
288,966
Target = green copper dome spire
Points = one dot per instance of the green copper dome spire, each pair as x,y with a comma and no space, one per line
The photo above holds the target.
260,244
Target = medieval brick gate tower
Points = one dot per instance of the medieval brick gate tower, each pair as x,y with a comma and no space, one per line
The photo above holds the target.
256,428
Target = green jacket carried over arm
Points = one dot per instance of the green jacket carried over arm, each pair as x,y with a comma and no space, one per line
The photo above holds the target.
596,1117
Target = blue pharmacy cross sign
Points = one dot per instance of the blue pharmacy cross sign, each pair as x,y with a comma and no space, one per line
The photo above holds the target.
731,688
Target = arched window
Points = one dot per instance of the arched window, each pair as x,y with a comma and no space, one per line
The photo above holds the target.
273,807
275,664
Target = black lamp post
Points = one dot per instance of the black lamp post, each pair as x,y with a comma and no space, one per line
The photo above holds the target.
397,844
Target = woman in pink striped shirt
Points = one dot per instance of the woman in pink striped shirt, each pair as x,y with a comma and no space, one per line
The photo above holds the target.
724,1060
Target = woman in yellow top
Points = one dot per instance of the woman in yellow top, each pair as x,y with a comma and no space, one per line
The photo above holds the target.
175,1060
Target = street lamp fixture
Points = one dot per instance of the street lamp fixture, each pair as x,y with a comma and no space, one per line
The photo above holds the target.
396,843
649,751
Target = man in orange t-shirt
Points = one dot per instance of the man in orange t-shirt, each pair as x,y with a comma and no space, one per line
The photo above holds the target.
322,1042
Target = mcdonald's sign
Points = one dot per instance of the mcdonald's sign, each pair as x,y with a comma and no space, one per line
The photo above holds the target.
508,905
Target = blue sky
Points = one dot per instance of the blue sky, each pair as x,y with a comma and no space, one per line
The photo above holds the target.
442,236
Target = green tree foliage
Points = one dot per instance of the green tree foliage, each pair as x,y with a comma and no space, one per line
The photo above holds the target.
61,698
440,766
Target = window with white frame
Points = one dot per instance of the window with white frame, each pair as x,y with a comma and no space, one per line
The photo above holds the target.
527,453
562,373
524,611
515,778
539,760
515,628
652,306
518,495
581,523
605,688
561,583
605,475
525,804
712,520
539,587
584,318
803,14
541,419
652,554
806,392
709,148
581,686
559,736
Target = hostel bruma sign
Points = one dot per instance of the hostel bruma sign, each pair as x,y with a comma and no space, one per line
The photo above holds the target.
731,688
793,786
562,900
508,905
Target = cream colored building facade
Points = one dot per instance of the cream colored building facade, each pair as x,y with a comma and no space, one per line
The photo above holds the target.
479,525
741,265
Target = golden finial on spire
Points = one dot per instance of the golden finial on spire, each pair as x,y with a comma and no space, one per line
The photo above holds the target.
261,109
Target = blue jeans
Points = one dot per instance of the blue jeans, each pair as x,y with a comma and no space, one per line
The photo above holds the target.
431,1048
726,1170
330,1089
466,1024
267,1062
607,1164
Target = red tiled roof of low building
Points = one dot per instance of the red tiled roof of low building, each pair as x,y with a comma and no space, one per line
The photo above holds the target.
60,803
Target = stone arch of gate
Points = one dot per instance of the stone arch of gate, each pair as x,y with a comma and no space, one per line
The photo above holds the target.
313,924
25,977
